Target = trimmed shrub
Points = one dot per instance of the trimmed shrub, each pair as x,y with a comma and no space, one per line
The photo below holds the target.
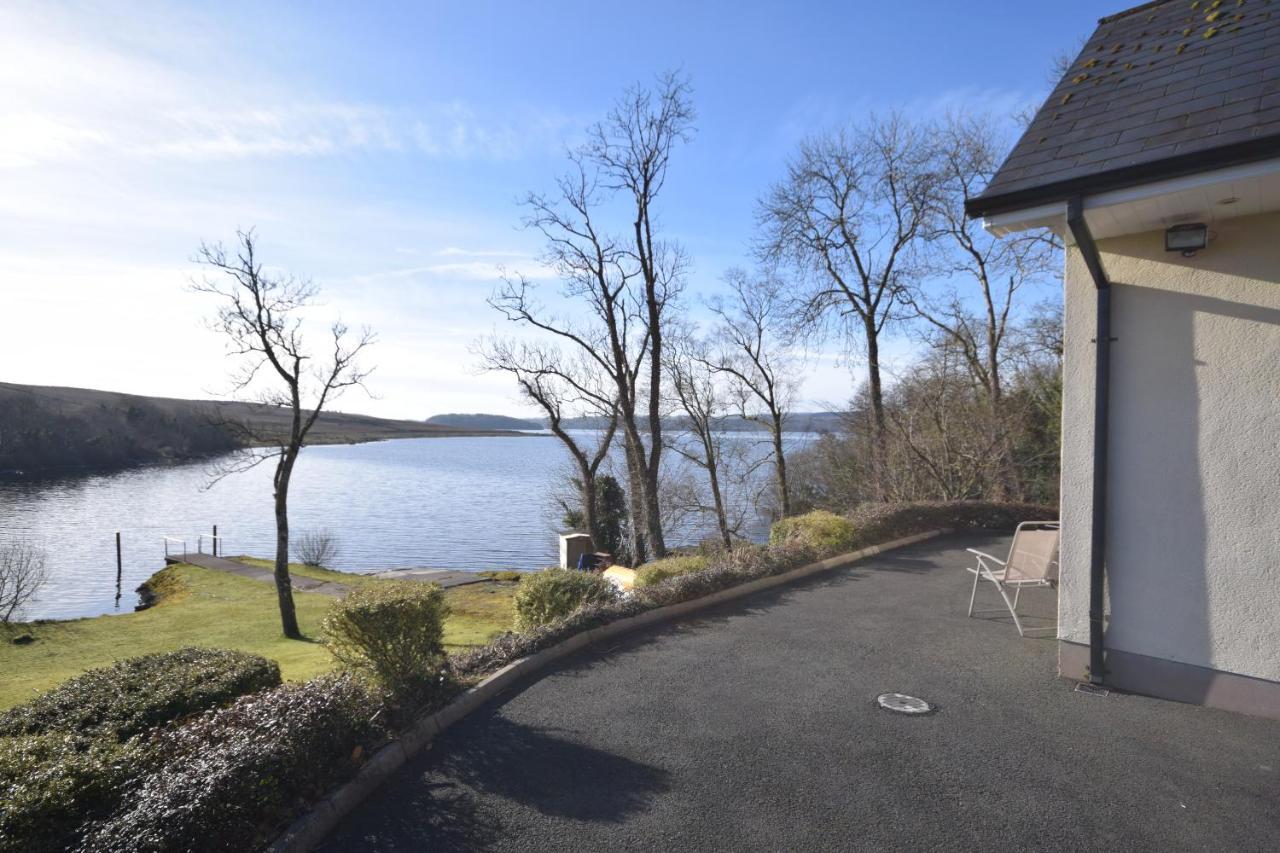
51,783
825,531
659,570
393,631
231,778
553,594
137,694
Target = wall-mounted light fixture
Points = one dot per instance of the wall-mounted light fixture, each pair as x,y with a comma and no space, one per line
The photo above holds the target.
1188,238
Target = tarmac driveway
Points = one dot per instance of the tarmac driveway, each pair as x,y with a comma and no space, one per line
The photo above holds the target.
753,728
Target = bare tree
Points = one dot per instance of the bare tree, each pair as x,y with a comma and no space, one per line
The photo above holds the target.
562,389
627,284
316,547
694,390
755,357
848,216
972,263
607,342
633,148
22,574
261,316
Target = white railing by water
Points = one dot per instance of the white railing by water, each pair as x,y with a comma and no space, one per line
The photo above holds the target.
173,542
215,544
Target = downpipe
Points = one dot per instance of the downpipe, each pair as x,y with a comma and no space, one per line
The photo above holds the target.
1101,418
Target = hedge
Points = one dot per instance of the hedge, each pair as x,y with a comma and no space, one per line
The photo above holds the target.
137,694
230,779
51,783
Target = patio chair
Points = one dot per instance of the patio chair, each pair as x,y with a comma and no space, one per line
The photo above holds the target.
1033,561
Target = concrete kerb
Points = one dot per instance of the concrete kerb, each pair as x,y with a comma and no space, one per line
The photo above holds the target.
310,829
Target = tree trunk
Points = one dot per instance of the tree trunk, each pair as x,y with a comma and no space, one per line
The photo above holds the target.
880,447
713,475
780,469
284,588
589,516
653,515
635,495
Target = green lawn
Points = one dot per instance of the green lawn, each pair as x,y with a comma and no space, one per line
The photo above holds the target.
207,608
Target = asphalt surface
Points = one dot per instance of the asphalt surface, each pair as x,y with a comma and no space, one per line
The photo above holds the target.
753,727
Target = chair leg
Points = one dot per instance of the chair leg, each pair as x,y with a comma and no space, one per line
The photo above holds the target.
973,595
1017,591
1013,608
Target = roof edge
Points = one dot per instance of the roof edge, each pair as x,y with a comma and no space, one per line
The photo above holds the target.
1190,163
1109,19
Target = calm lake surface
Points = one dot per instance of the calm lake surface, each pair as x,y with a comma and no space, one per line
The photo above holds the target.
449,503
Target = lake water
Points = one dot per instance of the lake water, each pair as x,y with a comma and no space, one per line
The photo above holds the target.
449,503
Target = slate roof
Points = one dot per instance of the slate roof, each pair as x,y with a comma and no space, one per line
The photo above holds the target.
1168,88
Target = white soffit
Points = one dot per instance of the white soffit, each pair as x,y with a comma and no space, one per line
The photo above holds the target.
1207,197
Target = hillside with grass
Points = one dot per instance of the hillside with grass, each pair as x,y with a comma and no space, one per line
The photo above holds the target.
49,430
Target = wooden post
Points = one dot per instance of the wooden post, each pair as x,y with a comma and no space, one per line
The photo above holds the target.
119,561
215,540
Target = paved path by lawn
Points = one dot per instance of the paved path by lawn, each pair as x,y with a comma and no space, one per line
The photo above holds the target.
445,578
753,728
244,570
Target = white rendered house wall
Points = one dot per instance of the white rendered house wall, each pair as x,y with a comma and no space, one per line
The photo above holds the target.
1194,485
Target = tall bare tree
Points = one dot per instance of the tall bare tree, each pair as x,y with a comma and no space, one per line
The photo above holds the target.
754,355
562,389
633,148
626,284
601,330
261,316
976,268
849,216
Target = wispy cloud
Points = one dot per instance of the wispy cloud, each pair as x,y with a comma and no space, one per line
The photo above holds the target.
68,94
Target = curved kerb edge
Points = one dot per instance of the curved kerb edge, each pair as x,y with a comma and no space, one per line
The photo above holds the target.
311,828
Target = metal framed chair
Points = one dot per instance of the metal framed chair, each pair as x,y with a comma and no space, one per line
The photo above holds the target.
1032,561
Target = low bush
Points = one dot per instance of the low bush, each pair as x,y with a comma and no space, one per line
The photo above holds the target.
659,570
230,778
393,631
316,547
137,694
51,783
554,594
822,530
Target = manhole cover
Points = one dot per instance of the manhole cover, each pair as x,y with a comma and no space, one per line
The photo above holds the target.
901,703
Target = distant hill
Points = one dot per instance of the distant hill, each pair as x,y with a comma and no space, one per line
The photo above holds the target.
482,421
796,422
46,430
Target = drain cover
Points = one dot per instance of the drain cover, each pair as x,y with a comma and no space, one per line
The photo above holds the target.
903,704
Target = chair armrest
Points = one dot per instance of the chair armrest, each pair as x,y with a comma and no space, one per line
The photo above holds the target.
985,555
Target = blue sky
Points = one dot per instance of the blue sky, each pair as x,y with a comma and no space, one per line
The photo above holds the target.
380,148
